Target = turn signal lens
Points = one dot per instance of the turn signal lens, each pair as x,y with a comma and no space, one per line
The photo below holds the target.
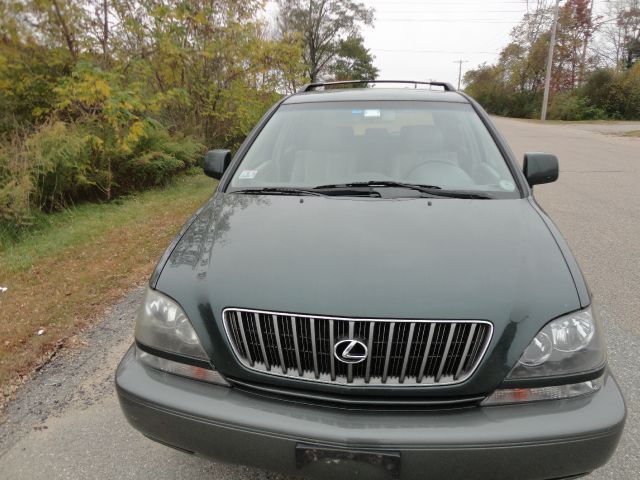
182,369
522,395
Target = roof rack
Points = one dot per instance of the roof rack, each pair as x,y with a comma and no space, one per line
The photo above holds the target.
309,87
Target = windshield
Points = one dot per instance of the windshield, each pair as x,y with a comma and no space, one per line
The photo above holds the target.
309,145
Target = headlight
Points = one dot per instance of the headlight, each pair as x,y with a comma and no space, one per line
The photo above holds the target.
163,328
162,325
567,345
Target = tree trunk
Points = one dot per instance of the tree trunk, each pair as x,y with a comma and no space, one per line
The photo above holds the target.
585,44
105,35
65,30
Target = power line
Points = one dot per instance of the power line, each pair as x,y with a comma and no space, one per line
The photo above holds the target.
446,20
501,2
447,52
445,12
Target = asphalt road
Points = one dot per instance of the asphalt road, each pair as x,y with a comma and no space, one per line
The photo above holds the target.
66,422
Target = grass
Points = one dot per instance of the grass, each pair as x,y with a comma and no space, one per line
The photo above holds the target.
63,275
632,133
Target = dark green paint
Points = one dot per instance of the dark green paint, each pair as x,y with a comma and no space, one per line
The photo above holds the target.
546,440
373,258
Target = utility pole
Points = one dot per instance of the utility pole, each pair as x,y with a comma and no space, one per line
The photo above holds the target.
552,44
460,62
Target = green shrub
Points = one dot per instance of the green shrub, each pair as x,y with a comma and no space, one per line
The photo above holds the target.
59,158
630,93
617,93
606,94
63,163
99,142
600,88
156,157
16,185
571,106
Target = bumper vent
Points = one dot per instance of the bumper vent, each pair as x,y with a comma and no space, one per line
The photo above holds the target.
387,352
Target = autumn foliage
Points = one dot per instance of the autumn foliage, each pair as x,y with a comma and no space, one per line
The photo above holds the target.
596,67
103,97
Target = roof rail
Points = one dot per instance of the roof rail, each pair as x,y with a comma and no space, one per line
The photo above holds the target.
309,87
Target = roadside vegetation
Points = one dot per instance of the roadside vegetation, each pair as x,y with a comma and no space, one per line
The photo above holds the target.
60,276
596,65
101,98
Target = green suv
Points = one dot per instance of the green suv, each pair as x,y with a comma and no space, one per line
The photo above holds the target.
373,292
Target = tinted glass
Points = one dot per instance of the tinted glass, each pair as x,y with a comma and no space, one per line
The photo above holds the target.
429,143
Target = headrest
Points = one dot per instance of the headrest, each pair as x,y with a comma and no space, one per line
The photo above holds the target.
376,133
329,139
421,138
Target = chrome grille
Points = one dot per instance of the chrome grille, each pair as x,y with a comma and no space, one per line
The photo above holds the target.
400,352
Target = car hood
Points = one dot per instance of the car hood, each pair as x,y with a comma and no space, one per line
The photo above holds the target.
374,258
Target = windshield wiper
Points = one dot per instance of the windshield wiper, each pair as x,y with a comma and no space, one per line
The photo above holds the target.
333,192
378,183
278,191
433,190
363,189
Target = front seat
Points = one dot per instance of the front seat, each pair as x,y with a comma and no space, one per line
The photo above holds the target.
325,158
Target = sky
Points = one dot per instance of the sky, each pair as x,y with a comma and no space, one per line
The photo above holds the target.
421,39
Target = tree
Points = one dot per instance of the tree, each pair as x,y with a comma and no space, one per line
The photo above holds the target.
575,27
620,41
353,61
629,21
514,86
103,97
322,26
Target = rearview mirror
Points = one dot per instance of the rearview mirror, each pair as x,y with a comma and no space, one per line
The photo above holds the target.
540,168
216,162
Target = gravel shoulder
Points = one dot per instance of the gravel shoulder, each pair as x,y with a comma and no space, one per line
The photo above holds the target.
77,377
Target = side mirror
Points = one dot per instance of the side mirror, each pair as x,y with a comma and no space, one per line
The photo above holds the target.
216,162
540,168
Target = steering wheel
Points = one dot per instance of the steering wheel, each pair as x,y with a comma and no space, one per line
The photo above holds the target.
454,175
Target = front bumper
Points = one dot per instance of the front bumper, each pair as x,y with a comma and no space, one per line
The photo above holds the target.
546,440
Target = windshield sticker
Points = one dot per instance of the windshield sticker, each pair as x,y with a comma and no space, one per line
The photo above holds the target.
507,185
371,113
356,112
248,174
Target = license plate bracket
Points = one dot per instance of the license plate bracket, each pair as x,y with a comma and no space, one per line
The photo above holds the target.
348,463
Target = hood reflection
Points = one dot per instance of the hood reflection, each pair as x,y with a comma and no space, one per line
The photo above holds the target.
209,228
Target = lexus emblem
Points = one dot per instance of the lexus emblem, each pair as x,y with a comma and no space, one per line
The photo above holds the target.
350,351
